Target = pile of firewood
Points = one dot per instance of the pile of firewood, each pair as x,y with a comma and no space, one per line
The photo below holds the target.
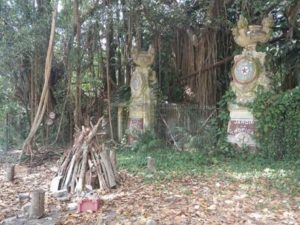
86,165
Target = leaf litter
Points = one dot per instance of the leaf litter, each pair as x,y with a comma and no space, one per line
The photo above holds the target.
202,199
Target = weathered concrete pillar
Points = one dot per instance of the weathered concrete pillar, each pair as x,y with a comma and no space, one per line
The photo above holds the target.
143,99
10,173
248,74
37,208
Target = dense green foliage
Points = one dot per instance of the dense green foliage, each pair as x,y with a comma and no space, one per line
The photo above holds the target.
278,123
220,124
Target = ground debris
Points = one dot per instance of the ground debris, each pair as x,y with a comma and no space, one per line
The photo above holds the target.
192,200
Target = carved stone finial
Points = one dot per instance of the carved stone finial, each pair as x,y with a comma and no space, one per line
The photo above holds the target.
247,36
143,58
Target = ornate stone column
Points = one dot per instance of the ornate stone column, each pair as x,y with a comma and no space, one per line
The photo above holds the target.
143,101
248,73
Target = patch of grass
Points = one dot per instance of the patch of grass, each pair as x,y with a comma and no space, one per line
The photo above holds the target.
166,160
283,175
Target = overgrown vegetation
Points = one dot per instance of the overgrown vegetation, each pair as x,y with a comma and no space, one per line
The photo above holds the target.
283,175
193,45
198,176
277,134
278,123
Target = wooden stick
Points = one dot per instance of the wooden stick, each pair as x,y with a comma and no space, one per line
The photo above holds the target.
65,163
100,174
107,167
86,154
73,180
93,131
80,184
69,172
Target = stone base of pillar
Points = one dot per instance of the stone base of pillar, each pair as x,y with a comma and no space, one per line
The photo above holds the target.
241,127
136,125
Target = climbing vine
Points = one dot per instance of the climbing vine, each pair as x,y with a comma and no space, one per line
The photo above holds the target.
278,123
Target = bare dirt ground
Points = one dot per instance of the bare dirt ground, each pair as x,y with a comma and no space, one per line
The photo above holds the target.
191,200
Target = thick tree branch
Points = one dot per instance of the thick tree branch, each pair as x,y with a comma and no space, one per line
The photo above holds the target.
219,63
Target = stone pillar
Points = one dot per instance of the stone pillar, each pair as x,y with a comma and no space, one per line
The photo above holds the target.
143,100
248,73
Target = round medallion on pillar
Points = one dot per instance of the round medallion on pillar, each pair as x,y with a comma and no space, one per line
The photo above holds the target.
245,70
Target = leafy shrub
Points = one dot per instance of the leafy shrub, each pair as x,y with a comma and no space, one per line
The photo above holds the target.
147,140
278,123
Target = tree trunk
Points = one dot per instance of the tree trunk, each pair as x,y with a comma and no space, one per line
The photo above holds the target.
127,18
78,112
27,145
120,78
109,38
